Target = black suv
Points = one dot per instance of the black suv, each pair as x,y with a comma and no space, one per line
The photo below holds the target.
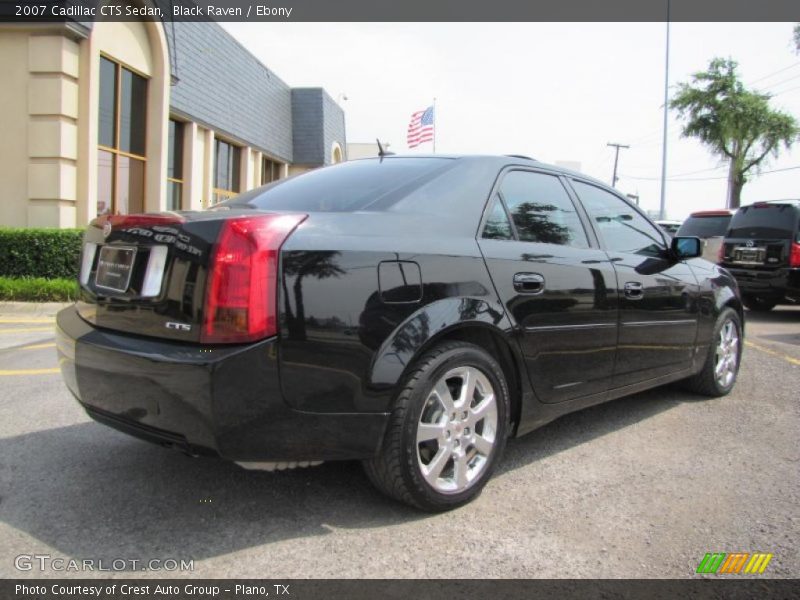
762,250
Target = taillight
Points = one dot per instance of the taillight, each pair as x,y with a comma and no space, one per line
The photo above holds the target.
721,253
242,291
794,257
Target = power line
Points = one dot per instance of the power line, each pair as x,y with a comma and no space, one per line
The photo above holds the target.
702,178
793,65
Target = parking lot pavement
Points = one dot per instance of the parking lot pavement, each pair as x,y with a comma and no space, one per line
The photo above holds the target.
639,487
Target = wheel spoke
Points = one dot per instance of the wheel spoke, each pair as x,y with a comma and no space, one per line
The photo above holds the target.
433,469
482,445
467,393
427,432
445,398
461,468
477,413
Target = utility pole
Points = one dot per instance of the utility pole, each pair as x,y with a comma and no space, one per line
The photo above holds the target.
662,205
616,160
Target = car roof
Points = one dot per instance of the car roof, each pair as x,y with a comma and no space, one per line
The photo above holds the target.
505,160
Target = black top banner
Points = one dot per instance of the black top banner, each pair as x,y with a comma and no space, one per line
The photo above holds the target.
27,11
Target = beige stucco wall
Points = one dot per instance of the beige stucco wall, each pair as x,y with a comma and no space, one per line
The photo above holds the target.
14,125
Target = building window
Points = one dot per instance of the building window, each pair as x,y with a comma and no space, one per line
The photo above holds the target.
175,166
121,139
226,172
270,170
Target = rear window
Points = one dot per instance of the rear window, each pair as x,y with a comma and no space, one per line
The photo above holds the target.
372,184
705,227
765,221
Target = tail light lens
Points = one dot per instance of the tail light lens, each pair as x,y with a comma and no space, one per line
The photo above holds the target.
794,257
242,292
721,253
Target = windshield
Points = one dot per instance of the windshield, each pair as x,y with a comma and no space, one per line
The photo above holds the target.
705,227
371,184
765,221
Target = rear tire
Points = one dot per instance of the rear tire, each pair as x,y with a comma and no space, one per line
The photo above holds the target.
757,304
447,429
718,375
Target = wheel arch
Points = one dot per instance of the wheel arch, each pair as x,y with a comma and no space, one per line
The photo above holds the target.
487,327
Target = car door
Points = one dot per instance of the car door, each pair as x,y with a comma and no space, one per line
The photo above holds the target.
556,283
657,295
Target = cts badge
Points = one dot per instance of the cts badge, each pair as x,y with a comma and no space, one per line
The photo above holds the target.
178,326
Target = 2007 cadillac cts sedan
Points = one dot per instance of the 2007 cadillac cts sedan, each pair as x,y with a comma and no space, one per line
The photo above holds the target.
409,312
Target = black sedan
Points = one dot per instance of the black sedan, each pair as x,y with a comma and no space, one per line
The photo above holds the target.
408,312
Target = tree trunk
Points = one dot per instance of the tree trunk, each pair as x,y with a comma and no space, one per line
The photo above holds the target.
736,191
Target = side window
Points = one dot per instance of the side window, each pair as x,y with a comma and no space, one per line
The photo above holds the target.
622,228
542,210
497,227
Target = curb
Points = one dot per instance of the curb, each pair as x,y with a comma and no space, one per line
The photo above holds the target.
39,309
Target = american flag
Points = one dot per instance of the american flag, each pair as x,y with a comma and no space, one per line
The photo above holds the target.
420,129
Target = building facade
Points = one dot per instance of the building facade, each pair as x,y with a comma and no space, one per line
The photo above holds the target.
124,117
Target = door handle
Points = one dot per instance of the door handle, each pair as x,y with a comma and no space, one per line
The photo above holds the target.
529,283
634,290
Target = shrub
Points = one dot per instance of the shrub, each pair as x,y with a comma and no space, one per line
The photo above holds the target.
47,253
37,289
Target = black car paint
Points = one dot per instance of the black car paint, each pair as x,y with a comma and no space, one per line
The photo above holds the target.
361,295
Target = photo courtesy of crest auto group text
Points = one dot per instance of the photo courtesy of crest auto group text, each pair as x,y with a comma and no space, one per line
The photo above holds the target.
329,300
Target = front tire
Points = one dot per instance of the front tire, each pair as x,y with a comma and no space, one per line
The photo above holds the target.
718,375
447,430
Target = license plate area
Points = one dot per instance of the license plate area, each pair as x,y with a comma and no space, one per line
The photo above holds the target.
114,268
749,256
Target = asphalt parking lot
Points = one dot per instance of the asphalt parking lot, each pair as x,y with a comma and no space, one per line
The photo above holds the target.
640,487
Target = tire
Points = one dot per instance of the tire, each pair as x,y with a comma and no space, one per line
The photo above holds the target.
454,458
714,380
757,304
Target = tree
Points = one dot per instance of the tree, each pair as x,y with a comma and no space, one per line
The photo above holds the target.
735,123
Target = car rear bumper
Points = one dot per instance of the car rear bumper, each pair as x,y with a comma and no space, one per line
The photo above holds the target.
778,283
218,400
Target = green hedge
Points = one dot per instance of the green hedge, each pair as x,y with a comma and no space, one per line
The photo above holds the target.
37,289
47,253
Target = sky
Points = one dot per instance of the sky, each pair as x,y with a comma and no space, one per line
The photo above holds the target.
552,91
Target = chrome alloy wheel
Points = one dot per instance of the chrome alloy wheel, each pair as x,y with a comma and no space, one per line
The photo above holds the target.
727,354
457,430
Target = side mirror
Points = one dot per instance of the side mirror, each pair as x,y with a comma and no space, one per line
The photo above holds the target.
683,248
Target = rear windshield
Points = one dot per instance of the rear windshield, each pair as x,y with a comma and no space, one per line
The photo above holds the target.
765,221
371,184
705,227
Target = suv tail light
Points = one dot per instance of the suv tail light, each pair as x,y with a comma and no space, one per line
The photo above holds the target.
721,253
794,257
242,291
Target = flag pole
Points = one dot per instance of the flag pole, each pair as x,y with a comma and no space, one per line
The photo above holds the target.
434,125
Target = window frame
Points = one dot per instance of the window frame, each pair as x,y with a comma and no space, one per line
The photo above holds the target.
222,193
601,241
589,232
278,168
180,181
116,152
